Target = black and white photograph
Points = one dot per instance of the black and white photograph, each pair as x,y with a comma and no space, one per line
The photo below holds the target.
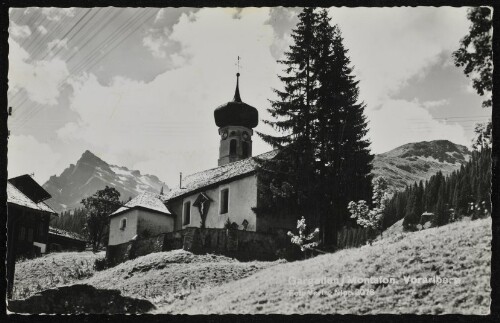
249,160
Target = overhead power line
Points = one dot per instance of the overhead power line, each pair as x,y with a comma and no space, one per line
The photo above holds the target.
98,52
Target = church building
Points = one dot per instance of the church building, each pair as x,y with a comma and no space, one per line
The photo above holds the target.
214,197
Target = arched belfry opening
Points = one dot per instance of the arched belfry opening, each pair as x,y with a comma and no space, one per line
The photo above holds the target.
245,149
236,121
232,146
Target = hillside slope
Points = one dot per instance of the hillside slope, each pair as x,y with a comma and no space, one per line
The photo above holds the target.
459,251
163,277
54,269
91,174
419,161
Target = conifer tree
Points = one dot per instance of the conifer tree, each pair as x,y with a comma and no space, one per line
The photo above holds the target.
286,180
411,218
322,143
343,157
441,212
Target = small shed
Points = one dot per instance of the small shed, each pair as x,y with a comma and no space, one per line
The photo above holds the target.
426,217
62,240
145,215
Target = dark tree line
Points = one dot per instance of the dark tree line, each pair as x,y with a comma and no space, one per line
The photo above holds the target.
324,159
464,192
73,221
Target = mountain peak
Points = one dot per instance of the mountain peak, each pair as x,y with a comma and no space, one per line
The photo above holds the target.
91,174
417,161
443,151
89,156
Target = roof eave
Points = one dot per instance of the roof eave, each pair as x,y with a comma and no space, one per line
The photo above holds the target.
33,210
209,186
139,207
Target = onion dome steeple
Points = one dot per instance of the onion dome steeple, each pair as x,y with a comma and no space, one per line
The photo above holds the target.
235,120
236,112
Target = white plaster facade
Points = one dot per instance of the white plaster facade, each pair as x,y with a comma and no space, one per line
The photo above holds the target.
139,220
242,198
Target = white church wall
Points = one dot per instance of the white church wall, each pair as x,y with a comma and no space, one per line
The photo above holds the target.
242,198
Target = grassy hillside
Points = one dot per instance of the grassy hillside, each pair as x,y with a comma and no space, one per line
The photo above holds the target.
165,276
52,270
159,277
180,282
460,250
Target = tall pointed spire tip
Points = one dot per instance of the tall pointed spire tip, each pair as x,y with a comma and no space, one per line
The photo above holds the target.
237,97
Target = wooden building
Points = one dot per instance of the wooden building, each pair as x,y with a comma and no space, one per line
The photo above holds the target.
62,240
27,221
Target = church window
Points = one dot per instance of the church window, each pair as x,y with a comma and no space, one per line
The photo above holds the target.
232,147
224,201
187,213
123,223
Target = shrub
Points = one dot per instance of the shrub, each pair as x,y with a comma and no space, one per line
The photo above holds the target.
101,264
371,218
230,225
302,240
479,210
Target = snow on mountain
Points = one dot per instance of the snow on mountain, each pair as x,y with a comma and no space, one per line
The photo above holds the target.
91,174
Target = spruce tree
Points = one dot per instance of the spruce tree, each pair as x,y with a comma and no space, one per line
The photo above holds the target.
411,218
322,143
419,199
343,157
441,212
286,180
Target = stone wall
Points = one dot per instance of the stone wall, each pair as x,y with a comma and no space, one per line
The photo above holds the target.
174,240
79,299
144,246
242,245
118,253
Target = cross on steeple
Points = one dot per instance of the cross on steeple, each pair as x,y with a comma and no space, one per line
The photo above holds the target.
237,97
238,65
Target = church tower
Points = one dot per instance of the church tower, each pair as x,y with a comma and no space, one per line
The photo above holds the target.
235,120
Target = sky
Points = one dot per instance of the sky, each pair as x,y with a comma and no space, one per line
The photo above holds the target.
138,86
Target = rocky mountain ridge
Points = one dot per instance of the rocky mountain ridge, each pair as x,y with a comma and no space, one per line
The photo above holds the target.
90,174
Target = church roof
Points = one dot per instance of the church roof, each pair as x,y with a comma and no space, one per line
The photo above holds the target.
236,112
15,196
218,175
144,200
